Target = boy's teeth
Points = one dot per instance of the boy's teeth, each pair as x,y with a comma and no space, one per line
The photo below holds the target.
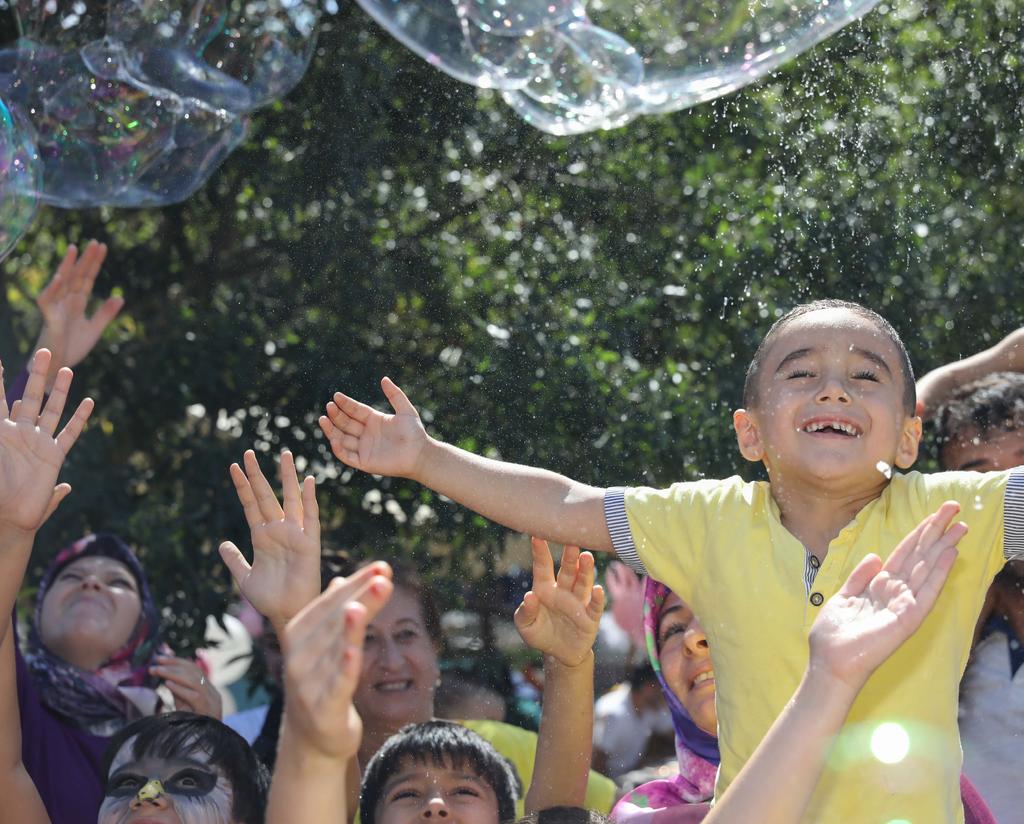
839,427
394,686
704,676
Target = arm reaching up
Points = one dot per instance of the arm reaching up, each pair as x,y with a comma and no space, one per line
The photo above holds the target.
31,456
939,384
559,617
879,607
67,332
321,731
284,574
519,497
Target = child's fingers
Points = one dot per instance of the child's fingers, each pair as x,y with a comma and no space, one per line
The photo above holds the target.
352,408
862,575
55,402
105,315
73,428
60,492
597,601
397,398
924,568
235,561
290,490
243,489
35,389
931,587
568,567
584,577
310,508
543,565
346,423
91,262
266,500
898,564
67,264
4,409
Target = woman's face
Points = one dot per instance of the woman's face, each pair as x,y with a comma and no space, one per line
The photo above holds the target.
686,662
90,611
400,669
186,789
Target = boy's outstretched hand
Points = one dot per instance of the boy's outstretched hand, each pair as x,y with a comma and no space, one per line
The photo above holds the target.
67,332
881,605
560,615
284,574
323,650
373,441
30,454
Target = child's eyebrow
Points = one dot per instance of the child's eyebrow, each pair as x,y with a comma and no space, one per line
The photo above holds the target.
874,357
796,354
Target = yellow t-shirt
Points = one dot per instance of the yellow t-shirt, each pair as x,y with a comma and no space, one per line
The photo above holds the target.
520,747
721,546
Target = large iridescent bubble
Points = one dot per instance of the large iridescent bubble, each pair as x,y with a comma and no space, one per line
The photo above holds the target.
19,179
137,102
568,66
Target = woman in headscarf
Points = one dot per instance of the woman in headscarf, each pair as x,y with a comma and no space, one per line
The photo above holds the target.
679,652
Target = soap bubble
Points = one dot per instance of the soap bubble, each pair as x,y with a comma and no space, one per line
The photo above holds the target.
19,179
138,102
568,66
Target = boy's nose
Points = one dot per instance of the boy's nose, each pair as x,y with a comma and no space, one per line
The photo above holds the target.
435,808
833,390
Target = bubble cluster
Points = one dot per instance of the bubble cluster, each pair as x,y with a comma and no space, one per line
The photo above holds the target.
137,102
568,66
19,179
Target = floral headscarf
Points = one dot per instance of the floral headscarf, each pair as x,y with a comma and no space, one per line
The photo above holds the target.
122,689
673,800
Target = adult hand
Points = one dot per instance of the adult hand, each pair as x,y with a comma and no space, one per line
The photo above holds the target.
560,615
373,441
627,592
189,685
67,332
30,455
881,605
323,650
284,574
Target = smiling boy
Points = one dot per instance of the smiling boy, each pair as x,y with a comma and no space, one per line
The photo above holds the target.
829,411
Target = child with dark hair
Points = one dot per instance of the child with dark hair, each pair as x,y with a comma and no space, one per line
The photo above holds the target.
191,765
831,416
979,426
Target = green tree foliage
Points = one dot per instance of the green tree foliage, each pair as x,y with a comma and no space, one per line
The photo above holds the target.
588,304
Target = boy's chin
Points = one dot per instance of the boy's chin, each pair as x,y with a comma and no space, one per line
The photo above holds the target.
830,469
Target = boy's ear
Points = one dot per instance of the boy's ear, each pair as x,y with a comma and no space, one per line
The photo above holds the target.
910,442
748,438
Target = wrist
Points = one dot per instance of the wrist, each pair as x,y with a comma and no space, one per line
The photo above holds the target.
303,756
12,536
584,664
430,451
821,684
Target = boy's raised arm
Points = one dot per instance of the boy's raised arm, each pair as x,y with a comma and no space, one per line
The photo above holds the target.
878,608
559,618
519,497
939,384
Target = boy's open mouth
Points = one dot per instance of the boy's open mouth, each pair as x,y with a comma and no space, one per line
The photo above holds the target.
833,427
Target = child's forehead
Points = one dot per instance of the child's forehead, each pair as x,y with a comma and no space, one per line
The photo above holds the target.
422,766
833,329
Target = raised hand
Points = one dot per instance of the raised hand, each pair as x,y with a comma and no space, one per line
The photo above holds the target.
189,685
881,605
560,615
323,650
30,454
67,332
284,574
373,441
627,592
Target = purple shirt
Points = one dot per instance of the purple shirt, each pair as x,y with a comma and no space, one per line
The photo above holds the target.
63,761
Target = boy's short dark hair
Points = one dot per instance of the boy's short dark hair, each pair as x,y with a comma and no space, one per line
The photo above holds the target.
751,383
994,402
565,815
170,735
441,743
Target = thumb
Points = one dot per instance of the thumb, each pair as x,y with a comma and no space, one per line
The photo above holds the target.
862,575
60,492
235,561
527,612
396,397
105,314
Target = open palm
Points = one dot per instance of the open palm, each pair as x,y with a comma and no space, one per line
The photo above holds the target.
31,456
881,605
284,574
374,441
560,615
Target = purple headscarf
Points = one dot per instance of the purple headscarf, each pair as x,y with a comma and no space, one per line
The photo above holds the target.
675,800
122,689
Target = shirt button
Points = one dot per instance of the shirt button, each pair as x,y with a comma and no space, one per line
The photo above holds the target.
817,599
815,562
